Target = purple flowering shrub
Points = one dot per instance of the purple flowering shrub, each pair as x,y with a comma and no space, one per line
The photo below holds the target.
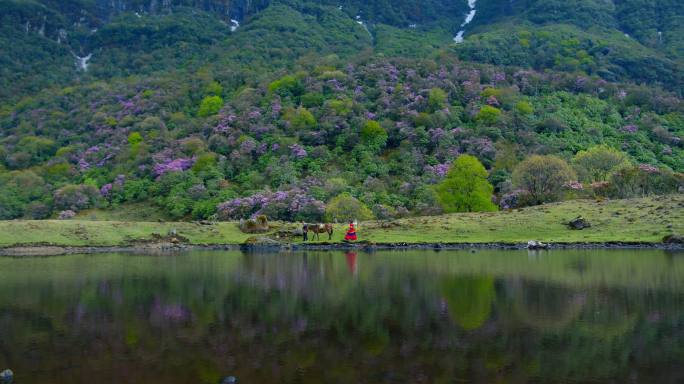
574,186
630,129
66,215
175,165
293,205
298,151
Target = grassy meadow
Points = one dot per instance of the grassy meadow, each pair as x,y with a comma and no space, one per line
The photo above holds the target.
630,220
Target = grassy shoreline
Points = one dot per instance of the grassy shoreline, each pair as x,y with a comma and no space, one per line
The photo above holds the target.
645,220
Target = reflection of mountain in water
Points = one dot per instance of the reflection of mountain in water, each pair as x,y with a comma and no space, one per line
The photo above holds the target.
271,318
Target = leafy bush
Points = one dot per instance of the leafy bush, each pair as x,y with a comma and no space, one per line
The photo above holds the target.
76,197
644,180
210,105
373,135
543,177
345,208
488,115
598,163
465,188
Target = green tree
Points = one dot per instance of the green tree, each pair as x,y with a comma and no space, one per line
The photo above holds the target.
345,207
39,148
373,135
213,89
210,106
436,99
134,138
488,115
465,188
204,162
301,119
543,177
598,163
287,86
524,108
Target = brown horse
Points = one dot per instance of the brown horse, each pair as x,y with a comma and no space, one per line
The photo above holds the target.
317,229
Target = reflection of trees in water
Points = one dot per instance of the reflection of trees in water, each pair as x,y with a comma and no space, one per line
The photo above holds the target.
545,306
469,299
308,318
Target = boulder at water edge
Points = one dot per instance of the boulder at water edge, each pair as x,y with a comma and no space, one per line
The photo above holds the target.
6,376
533,244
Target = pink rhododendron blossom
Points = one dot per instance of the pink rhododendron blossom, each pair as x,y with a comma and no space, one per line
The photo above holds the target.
66,215
648,168
106,190
298,151
630,129
294,204
176,165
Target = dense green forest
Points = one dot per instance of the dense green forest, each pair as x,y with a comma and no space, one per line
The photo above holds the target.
234,108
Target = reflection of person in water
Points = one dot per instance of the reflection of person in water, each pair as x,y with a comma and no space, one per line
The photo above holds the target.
351,261
351,233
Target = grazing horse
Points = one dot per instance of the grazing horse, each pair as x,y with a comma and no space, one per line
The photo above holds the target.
317,229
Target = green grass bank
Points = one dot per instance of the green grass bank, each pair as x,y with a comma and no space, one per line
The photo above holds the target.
631,220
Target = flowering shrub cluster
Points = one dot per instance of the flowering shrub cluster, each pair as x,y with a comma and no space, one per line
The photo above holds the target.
175,165
293,205
574,186
648,168
66,215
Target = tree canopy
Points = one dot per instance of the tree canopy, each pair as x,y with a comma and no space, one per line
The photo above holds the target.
465,188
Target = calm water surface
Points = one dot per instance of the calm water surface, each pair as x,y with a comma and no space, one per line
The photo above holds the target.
387,317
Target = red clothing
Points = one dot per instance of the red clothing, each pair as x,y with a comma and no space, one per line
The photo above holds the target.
351,233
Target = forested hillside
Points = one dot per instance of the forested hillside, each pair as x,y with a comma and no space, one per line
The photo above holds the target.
296,108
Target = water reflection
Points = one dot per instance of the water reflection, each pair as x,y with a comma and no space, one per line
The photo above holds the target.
419,317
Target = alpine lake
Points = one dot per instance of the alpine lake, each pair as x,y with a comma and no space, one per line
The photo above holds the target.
484,316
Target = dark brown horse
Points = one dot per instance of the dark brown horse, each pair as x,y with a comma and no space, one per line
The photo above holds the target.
317,229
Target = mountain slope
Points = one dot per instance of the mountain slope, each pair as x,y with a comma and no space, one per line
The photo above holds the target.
303,103
562,47
43,38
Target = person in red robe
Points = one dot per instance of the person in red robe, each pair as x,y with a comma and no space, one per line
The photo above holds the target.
351,233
